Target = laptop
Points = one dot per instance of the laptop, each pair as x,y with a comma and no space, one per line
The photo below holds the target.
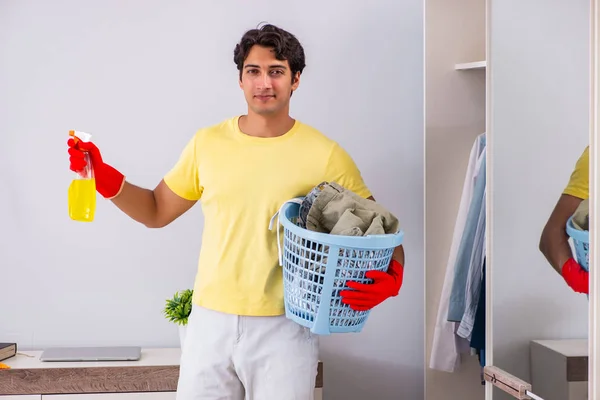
110,353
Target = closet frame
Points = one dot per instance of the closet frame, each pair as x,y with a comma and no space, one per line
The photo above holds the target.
489,248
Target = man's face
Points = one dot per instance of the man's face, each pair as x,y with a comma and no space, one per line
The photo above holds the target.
267,82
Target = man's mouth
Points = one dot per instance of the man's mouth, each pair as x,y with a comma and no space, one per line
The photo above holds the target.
264,97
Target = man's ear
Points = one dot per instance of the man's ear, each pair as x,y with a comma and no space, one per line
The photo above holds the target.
296,81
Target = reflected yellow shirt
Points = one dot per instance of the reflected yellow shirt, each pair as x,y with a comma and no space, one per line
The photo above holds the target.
579,183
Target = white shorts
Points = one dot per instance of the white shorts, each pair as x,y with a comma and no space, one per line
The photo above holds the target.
231,357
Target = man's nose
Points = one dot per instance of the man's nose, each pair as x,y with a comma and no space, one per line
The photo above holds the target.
265,81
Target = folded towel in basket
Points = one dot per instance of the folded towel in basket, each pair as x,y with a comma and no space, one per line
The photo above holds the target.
581,216
331,208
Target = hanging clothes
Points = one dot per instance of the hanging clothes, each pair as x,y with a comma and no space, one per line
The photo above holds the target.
478,334
447,346
468,259
475,278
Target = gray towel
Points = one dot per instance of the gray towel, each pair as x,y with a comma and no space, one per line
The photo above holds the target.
339,211
581,216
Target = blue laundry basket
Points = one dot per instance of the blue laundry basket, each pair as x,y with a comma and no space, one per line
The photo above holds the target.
316,267
581,241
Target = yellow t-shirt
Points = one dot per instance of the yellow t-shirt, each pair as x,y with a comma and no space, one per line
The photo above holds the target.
241,182
579,183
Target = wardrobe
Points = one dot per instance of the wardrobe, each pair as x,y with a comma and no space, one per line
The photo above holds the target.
455,133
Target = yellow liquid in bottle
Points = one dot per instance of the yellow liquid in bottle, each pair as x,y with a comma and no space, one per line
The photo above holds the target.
82,200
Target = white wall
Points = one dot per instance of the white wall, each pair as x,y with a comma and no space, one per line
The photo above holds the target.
540,125
455,116
142,76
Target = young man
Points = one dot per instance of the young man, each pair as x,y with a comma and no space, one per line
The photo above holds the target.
239,342
554,241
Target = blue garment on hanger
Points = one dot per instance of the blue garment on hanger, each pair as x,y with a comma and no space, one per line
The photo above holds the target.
482,358
478,335
470,243
473,284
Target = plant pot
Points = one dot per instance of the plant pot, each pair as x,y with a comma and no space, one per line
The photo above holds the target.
182,333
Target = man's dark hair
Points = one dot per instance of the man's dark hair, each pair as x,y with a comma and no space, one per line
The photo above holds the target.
284,44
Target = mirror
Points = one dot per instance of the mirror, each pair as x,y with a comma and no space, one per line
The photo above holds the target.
594,332
498,170
539,178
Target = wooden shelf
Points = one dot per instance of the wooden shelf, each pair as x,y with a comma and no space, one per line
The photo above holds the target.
471,65
559,368
156,371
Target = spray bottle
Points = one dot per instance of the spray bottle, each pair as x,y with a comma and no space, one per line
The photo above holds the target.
82,191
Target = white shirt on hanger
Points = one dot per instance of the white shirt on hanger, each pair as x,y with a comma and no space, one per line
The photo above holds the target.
447,346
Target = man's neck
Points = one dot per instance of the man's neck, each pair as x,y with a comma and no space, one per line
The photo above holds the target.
265,126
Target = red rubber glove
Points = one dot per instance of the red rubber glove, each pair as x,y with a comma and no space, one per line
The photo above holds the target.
576,277
109,181
366,296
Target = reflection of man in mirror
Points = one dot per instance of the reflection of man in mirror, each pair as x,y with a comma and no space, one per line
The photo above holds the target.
554,241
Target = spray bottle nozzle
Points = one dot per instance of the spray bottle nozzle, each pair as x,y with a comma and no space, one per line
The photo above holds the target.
75,138
84,137
80,136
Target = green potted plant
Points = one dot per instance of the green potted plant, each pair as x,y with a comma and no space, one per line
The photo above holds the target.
178,309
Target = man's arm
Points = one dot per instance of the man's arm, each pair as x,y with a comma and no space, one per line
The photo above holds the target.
554,242
154,208
398,254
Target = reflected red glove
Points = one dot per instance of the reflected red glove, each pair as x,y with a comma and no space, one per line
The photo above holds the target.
366,296
109,181
576,277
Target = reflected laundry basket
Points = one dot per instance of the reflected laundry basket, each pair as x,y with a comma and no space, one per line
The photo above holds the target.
581,242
